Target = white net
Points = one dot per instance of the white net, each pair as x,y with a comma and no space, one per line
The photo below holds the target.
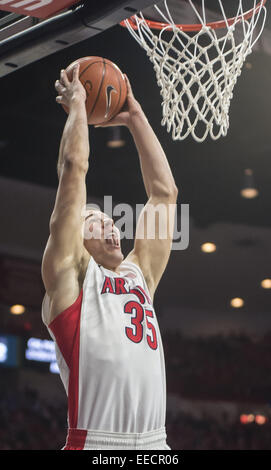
198,70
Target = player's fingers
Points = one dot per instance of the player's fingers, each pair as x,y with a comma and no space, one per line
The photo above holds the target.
76,72
64,78
60,99
128,84
59,87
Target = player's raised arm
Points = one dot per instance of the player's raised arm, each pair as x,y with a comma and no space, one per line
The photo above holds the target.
65,245
154,229
156,222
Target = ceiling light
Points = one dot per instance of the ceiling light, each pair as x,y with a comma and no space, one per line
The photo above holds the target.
266,283
208,247
243,419
250,418
260,419
114,138
17,309
249,191
237,302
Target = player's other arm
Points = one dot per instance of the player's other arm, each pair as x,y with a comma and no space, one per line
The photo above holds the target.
151,254
154,231
64,248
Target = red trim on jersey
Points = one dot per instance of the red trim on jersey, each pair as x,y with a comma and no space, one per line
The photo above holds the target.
66,329
139,294
146,295
76,439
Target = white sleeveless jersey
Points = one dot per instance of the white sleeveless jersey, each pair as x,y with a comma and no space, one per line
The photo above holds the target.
110,353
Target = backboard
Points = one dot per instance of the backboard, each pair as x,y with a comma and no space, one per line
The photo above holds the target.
25,39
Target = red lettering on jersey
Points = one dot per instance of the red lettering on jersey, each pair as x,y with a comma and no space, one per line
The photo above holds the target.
152,341
139,294
107,285
142,290
119,286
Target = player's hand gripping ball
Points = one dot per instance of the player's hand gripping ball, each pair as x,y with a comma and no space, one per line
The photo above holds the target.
105,87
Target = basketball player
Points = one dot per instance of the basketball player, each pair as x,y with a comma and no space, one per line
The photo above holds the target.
98,306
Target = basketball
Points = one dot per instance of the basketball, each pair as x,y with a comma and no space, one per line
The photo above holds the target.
105,87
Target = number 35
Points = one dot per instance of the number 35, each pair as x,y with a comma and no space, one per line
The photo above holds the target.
136,334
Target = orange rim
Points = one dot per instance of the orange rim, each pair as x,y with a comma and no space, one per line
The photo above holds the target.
197,27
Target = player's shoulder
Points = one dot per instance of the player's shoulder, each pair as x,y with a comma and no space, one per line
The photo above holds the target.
68,287
86,257
134,259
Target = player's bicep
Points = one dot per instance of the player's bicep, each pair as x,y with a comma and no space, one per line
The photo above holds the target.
71,195
55,262
65,247
153,239
66,222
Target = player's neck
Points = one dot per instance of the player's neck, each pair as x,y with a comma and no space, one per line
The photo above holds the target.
110,268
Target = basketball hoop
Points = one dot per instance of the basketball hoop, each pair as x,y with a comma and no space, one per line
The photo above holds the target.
197,65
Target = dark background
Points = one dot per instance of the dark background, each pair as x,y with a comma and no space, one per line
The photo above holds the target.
194,294
209,175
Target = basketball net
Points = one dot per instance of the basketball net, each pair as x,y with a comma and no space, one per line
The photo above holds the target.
197,66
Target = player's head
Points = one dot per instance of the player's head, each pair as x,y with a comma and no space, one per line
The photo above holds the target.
102,239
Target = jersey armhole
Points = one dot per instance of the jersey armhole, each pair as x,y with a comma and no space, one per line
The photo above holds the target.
65,328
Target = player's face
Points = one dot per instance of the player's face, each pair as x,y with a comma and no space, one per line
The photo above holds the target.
102,239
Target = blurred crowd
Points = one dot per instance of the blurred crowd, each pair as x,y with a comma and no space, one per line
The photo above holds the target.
29,423
219,367
230,368
185,432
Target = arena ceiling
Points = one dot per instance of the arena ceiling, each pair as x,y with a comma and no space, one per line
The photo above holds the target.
209,175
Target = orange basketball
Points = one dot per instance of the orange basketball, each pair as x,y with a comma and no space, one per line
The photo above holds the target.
105,87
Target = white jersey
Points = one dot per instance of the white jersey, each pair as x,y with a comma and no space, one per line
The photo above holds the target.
110,353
